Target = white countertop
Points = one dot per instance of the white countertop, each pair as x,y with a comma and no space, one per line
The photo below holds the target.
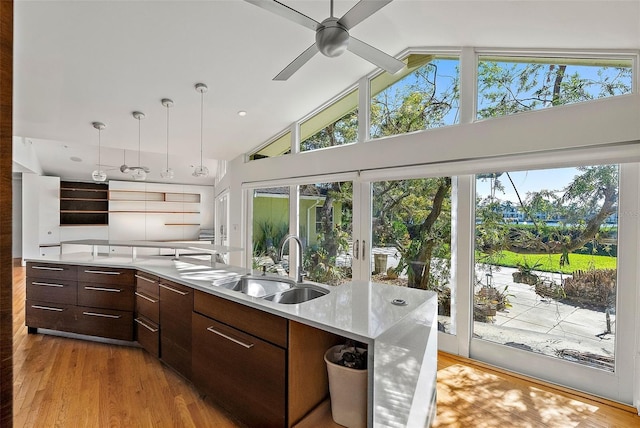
402,340
361,310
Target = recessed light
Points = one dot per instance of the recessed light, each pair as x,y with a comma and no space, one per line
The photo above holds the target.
242,113
75,159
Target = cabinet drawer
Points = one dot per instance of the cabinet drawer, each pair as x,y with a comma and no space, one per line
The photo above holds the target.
242,373
106,296
53,316
51,271
104,323
269,327
105,275
176,305
148,306
148,335
147,284
52,290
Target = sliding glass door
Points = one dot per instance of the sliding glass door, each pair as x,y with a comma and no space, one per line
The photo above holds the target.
547,284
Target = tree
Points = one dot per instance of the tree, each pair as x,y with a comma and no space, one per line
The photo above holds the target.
508,88
415,217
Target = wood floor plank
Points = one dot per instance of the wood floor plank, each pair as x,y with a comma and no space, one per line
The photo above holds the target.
60,381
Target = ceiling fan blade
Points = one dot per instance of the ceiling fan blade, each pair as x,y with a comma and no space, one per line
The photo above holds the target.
361,11
297,63
285,11
375,56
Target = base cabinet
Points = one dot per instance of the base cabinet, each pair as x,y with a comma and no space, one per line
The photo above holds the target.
95,301
240,372
266,370
147,313
176,305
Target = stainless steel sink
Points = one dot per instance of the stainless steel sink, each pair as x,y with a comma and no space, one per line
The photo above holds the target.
258,286
298,294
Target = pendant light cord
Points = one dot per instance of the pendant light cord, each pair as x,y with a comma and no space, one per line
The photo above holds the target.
99,145
201,123
167,137
139,133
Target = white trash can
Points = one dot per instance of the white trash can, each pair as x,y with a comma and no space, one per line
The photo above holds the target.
348,390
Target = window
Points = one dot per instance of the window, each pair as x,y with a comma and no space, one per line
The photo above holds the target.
546,262
327,237
424,95
508,85
411,237
334,126
270,225
278,147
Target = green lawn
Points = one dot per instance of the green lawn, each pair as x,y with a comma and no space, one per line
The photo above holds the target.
549,263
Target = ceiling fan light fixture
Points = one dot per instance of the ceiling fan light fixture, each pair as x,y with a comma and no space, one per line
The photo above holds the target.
99,175
332,38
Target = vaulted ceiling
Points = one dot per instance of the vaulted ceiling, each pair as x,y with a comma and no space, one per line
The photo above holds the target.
82,61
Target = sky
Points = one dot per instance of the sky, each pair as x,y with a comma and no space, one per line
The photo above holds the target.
529,181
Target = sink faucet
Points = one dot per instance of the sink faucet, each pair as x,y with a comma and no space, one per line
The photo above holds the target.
299,273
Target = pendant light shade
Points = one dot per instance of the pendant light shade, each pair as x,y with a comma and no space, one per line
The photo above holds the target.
99,174
201,171
167,172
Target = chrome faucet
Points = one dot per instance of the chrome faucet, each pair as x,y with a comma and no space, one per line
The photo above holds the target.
299,272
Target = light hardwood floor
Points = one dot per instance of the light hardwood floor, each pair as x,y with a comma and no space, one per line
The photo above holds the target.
61,382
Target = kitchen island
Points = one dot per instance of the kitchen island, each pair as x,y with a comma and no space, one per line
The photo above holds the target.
397,324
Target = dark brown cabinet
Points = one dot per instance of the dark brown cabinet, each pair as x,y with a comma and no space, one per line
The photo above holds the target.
147,313
242,373
176,305
95,301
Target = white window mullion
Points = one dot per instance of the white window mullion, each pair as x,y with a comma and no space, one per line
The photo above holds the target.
364,110
294,227
468,85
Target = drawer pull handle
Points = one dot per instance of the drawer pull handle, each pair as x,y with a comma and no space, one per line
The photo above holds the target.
47,308
146,297
246,345
95,314
47,268
46,284
145,278
110,290
153,330
102,272
182,293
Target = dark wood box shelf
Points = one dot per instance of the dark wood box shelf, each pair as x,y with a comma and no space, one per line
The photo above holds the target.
84,203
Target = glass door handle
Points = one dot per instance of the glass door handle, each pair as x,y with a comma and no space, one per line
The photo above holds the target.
356,249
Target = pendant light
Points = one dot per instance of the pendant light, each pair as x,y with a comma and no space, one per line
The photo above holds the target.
124,168
201,171
167,172
139,173
99,174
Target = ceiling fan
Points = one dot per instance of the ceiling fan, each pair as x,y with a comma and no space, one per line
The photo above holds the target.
332,35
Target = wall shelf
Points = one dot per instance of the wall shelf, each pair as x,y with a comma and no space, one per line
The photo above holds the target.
83,204
146,196
151,212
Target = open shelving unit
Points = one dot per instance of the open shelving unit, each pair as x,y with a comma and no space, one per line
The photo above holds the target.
148,202
84,204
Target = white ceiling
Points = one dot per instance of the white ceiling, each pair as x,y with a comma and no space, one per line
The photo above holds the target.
82,61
